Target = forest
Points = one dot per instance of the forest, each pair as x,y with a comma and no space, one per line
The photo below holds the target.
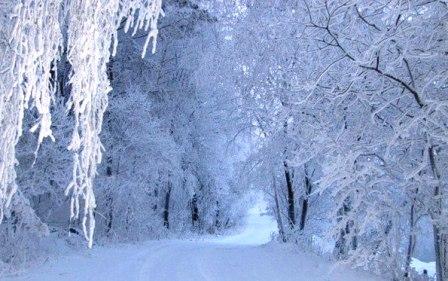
221,140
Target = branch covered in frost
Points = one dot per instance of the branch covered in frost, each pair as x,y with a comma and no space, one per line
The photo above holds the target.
32,55
92,28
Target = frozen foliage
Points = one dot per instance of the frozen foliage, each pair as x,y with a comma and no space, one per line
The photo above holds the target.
335,109
346,104
35,43
187,185
163,172
91,29
29,51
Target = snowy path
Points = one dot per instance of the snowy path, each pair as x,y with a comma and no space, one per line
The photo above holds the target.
241,257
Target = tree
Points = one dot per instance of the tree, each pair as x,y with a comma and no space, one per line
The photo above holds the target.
36,37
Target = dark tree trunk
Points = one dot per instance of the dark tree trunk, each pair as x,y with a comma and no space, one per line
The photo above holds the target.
291,199
441,249
440,238
109,166
289,183
166,210
110,70
194,211
217,215
411,239
308,189
63,70
110,216
110,199
343,246
156,196
281,230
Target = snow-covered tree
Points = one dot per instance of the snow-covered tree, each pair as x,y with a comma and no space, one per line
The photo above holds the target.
352,90
33,40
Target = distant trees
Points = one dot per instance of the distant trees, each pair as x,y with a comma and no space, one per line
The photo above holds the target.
161,135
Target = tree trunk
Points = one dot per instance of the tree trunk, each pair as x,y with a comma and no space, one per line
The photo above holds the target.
110,214
411,239
291,200
194,211
110,199
166,210
343,246
440,238
110,69
444,255
281,230
217,216
308,189
440,247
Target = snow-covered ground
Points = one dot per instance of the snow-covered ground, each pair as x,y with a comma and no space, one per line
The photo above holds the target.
241,257
419,266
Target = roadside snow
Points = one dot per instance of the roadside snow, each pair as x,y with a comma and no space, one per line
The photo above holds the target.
241,257
420,266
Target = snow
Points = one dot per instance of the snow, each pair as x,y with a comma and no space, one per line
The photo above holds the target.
322,245
243,257
419,266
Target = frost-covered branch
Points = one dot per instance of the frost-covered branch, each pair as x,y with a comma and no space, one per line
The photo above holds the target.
33,52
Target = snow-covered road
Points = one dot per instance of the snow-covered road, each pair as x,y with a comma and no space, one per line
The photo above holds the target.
241,257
